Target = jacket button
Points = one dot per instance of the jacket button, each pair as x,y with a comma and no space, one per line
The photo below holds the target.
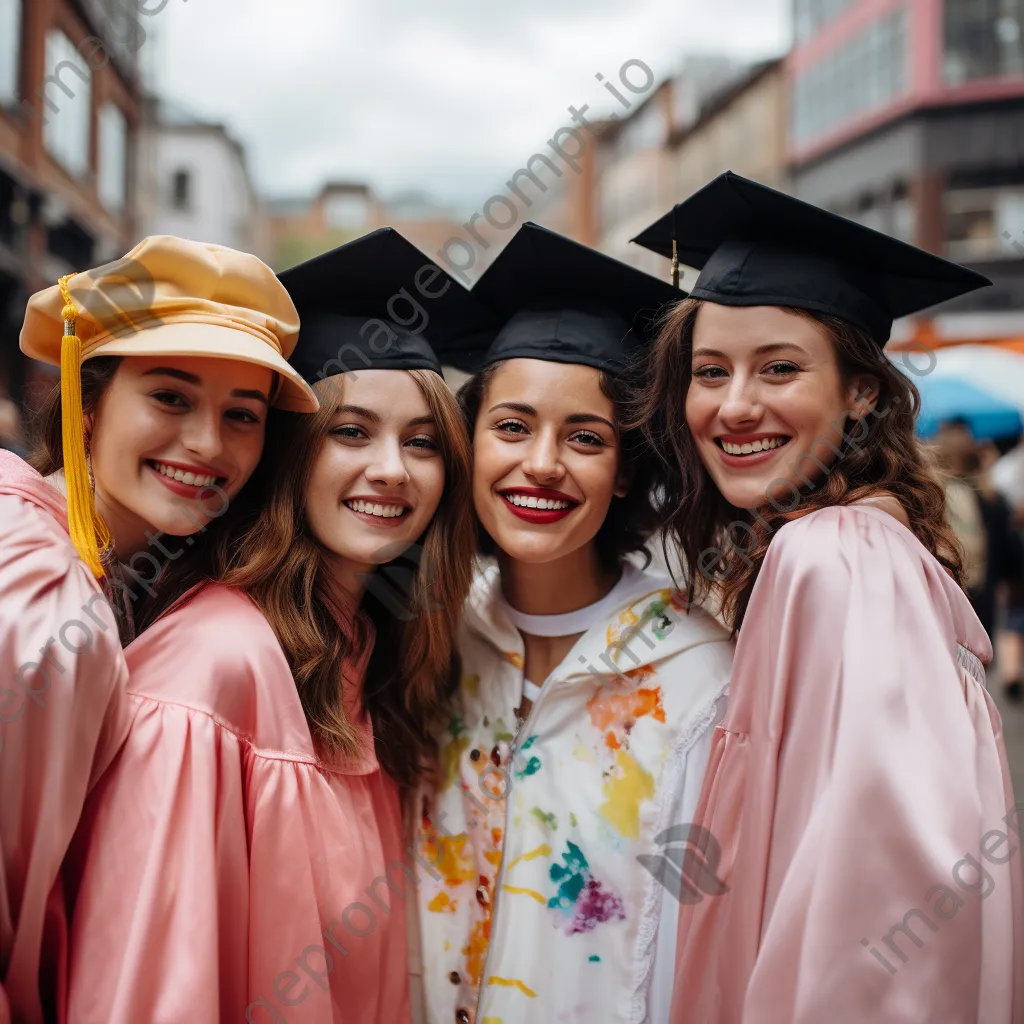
454,977
462,1016
483,897
474,755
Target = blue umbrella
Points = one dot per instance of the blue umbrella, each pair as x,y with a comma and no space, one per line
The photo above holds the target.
946,398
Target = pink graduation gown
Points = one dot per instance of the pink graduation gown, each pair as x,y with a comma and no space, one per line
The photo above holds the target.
858,789
227,873
63,714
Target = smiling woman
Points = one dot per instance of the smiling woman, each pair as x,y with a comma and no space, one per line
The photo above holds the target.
168,360
858,703
291,692
589,684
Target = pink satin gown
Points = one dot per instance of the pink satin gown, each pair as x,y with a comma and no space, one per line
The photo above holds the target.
63,715
226,873
859,790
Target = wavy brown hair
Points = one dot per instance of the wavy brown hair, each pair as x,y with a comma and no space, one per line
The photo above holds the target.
413,601
879,455
631,520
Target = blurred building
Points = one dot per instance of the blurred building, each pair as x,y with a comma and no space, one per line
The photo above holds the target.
193,182
300,228
636,176
739,127
69,109
908,115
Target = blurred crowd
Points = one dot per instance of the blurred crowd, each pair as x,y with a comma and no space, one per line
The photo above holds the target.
985,507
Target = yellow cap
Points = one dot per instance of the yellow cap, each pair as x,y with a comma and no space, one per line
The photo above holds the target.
168,296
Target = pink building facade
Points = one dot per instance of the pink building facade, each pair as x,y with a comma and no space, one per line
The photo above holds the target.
908,115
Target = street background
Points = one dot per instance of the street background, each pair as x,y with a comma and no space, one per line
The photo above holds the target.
285,129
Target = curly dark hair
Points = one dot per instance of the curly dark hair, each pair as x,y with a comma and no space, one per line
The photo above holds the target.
886,458
631,520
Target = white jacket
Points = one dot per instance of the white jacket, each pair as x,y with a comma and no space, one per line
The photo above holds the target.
540,903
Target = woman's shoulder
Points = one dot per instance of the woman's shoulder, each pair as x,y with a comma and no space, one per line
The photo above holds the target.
862,553
216,653
827,535
28,498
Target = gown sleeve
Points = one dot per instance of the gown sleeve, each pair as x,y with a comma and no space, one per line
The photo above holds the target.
63,714
859,795
160,926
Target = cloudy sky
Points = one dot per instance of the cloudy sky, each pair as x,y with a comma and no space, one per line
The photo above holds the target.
448,96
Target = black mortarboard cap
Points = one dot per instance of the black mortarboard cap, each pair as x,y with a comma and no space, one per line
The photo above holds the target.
756,246
562,302
376,303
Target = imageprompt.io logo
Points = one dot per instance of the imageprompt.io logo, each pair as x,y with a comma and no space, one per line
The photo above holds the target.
687,867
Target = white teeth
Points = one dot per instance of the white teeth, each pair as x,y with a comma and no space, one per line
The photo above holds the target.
373,509
752,447
522,501
190,479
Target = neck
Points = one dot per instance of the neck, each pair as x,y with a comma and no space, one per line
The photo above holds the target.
573,581
127,531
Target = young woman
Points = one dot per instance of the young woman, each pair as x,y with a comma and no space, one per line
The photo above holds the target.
576,745
858,785
168,359
244,857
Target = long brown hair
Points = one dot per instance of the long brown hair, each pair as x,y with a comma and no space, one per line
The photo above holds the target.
413,601
879,455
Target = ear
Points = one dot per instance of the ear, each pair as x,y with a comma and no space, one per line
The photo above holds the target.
862,396
622,482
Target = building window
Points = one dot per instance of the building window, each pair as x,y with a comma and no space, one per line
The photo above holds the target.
346,211
181,190
984,223
984,39
113,158
10,48
66,104
811,15
867,73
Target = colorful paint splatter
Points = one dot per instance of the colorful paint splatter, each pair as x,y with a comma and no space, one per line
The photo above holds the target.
547,819
624,792
533,765
581,898
615,714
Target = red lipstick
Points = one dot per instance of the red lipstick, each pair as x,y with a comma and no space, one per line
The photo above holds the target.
533,514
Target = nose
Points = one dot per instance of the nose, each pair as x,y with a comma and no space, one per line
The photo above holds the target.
203,434
387,466
542,461
741,404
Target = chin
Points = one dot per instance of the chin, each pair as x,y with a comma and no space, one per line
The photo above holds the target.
743,495
174,523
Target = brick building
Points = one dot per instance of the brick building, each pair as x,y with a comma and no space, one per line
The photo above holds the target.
69,107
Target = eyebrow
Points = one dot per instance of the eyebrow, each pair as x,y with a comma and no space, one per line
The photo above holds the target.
422,421
358,410
191,378
761,350
575,418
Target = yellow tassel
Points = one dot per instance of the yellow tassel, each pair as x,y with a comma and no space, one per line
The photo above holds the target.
675,264
88,531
